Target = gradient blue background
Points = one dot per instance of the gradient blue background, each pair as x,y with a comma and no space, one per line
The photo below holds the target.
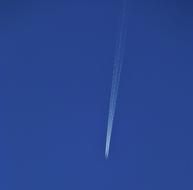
56,60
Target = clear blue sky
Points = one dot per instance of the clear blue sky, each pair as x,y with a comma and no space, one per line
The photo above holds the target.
56,60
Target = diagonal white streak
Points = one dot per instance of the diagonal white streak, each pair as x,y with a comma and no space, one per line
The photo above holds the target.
118,61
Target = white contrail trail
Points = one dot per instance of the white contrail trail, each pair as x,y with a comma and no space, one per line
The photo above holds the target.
118,61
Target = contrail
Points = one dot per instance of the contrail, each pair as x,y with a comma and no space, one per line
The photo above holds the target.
118,61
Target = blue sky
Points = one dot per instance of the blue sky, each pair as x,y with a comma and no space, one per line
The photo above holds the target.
56,66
